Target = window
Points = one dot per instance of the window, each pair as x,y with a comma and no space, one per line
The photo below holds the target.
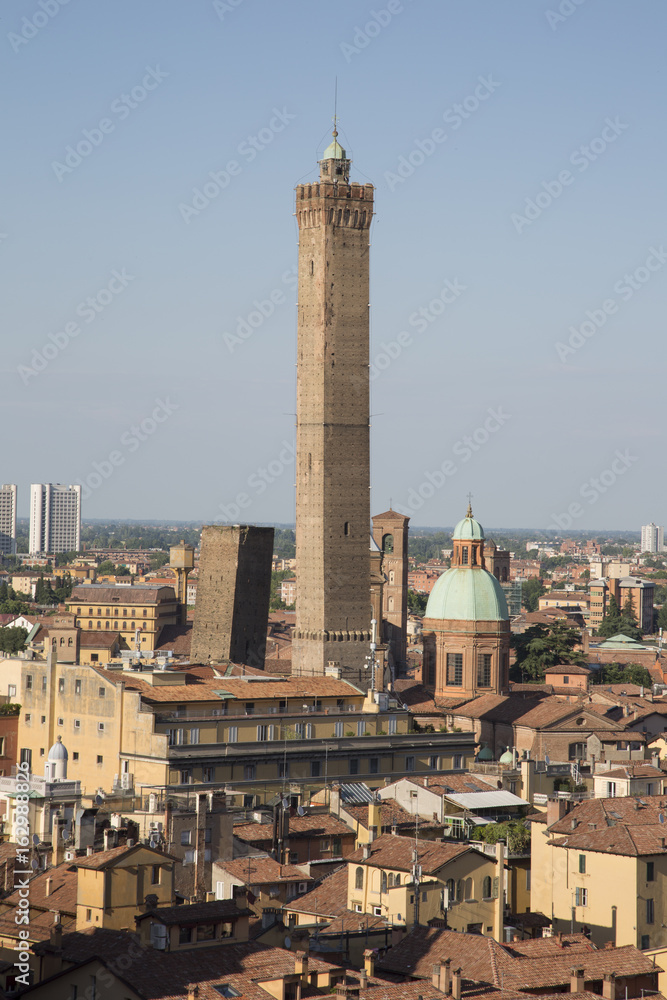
645,942
650,911
75,755
176,737
359,878
611,789
339,729
391,727
464,555
11,690
361,727
457,761
314,768
77,723
484,670
486,887
409,763
100,758
194,736
283,769
581,897
433,763
61,722
28,719
184,935
374,765
582,864
155,874
566,679
77,687
249,772
28,682
232,734
89,914
250,708
650,871
61,685
26,756
100,727
186,838
455,669
353,765
576,751
208,774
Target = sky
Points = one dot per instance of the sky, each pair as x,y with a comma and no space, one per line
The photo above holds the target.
148,251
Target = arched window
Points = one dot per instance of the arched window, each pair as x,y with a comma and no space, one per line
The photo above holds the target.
464,555
359,878
459,890
467,889
387,543
397,879
486,887
62,640
383,883
70,641
450,889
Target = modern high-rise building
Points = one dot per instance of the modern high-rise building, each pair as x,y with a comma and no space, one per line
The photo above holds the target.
333,606
652,538
8,520
55,518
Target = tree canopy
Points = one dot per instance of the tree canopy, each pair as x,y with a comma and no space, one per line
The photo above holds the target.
617,622
12,639
542,646
531,592
417,602
623,673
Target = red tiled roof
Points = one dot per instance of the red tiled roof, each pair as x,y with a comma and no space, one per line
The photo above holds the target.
263,871
396,853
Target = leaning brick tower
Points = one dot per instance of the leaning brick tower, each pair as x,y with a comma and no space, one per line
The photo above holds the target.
333,606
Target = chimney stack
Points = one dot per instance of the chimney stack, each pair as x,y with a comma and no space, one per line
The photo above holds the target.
49,883
369,961
456,985
363,980
446,976
577,981
366,851
193,991
301,966
56,932
609,986
435,977
57,845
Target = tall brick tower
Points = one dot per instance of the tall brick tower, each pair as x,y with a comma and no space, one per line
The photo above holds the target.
390,531
333,606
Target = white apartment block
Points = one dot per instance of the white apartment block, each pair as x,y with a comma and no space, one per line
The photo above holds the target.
8,520
55,518
652,538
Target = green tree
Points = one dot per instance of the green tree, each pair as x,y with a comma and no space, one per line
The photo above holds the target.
12,639
542,646
44,592
531,592
513,832
611,623
106,568
64,591
662,617
628,624
623,673
417,602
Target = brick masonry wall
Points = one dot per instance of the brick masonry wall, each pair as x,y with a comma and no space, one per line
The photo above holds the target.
233,593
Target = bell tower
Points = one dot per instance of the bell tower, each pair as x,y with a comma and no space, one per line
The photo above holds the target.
333,603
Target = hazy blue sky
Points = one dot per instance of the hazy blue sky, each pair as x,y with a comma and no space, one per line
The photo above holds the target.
519,93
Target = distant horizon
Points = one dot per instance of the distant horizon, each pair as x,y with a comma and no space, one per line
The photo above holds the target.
283,525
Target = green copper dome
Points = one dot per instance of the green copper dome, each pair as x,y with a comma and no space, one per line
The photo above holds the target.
467,593
468,529
334,150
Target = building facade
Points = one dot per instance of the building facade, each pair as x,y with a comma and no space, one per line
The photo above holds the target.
333,608
8,520
652,538
390,533
137,614
55,518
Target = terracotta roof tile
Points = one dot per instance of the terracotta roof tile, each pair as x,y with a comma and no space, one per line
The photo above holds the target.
328,899
263,871
390,851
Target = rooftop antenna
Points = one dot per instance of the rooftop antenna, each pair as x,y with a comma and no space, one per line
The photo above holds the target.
335,117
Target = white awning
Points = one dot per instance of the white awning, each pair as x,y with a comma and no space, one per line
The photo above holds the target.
486,800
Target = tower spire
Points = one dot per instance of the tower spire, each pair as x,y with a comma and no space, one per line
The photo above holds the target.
469,511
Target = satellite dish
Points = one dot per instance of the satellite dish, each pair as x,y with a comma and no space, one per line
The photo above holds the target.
34,863
301,811
288,942
99,800
35,839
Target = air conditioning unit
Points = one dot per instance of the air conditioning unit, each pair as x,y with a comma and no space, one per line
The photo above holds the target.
126,780
303,886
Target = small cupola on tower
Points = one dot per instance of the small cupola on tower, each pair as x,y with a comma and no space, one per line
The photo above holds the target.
55,768
468,542
334,165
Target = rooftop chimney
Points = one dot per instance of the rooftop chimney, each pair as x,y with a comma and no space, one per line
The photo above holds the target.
89,851
456,985
446,976
56,932
369,961
193,991
130,843
609,986
49,883
556,809
363,980
301,965
366,851
577,981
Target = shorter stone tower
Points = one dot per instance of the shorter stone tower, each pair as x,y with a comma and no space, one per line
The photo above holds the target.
466,628
390,533
233,594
